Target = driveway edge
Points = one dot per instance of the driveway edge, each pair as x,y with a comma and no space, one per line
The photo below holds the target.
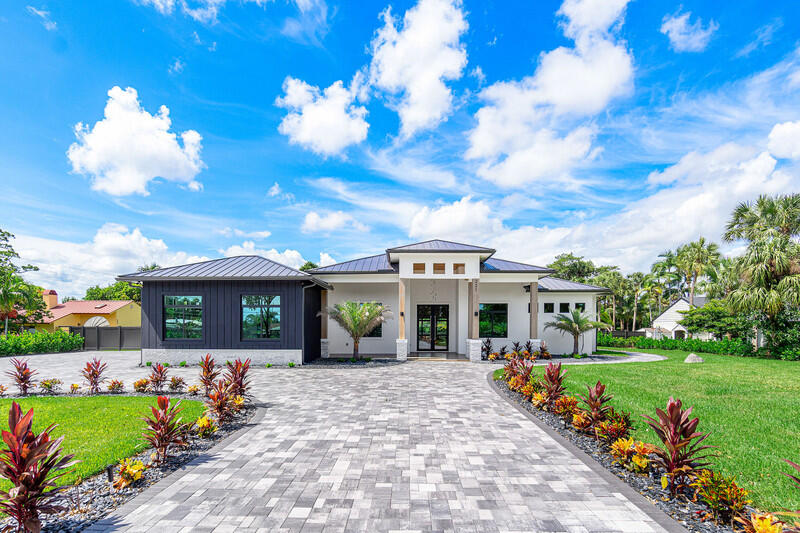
656,514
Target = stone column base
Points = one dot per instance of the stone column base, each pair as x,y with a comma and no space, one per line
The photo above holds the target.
474,350
402,349
537,344
323,348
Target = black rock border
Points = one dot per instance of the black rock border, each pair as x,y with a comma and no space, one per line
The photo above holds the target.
675,515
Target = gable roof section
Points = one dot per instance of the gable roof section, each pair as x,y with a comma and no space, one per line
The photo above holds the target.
495,265
374,264
228,268
699,301
438,245
551,284
84,307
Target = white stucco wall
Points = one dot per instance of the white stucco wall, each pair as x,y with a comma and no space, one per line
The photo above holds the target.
339,343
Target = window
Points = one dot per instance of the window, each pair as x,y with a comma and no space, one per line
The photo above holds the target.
261,316
549,308
376,333
419,268
458,268
580,307
438,268
563,307
493,320
183,317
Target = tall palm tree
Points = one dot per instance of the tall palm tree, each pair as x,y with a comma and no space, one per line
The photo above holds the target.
636,280
694,259
779,214
13,294
653,288
724,278
358,319
575,324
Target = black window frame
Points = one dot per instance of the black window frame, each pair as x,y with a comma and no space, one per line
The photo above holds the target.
165,306
561,307
552,307
492,314
242,305
378,328
580,306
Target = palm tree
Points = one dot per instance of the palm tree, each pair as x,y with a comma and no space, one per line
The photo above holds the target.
653,289
13,293
780,215
724,278
358,319
694,259
575,323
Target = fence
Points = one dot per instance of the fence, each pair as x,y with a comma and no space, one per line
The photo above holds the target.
109,338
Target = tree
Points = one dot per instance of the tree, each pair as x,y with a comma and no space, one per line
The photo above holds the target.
614,282
149,268
636,281
358,319
13,293
715,317
779,214
308,265
653,289
571,267
121,290
694,259
724,278
575,323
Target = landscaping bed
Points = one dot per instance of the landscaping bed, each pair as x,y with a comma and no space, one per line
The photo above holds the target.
348,362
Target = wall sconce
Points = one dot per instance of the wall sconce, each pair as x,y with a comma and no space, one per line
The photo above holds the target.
476,313
402,313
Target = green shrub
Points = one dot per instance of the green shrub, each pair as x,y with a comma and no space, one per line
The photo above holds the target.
725,346
40,342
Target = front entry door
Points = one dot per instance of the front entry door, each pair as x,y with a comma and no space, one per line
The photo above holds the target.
432,328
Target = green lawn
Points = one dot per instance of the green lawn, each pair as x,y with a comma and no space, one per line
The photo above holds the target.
99,430
750,406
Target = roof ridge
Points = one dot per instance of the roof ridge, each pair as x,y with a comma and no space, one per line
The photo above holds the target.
440,240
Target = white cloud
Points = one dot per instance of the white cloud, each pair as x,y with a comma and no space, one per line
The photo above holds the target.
763,38
329,222
44,16
685,36
409,167
465,220
311,24
325,259
277,192
478,74
176,67
784,140
418,58
165,7
289,257
71,267
129,147
236,232
325,122
532,130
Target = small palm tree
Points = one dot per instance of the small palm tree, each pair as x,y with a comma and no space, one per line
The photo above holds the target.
358,319
575,323
13,294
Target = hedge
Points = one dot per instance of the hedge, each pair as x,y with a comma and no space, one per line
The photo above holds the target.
40,342
725,346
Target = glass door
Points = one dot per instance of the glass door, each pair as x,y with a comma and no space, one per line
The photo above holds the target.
432,328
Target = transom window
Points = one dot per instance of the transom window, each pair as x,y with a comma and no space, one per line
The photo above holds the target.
438,268
563,307
183,317
419,268
261,316
580,307
493,320
458,268
549,307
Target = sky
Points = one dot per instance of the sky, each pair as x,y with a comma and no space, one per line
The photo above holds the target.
173,131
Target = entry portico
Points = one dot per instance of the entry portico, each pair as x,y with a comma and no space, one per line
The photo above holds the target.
446,297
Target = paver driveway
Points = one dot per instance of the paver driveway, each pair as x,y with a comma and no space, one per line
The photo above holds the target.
424,446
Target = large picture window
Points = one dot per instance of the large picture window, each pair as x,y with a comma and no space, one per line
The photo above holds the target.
261,317
494,320
183,317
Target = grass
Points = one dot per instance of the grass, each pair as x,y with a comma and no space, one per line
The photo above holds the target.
749,405
99,430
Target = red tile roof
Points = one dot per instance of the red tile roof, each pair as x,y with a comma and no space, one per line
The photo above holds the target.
87,307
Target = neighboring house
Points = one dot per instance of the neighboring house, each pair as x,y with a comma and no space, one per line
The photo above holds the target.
666,324
245,306
87,313
446,297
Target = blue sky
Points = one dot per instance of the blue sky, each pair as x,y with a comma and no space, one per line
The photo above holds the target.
170,131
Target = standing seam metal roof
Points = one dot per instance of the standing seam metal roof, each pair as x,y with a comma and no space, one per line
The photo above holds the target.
373,264
557,284
239,267
438,245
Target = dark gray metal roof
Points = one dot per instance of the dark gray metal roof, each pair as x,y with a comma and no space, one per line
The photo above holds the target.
373,264
495,265
227,268
438,245
551,284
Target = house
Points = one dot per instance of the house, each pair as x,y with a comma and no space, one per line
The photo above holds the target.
86,313
245,306
666,324
446,297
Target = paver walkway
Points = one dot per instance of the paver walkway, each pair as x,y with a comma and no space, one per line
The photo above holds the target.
423,446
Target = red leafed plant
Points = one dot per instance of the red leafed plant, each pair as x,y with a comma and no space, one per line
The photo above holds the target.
31,463
796,480
165,429
220,401
681,453
553,383
596,401
22,376
93,374
208,372
236,375
158,377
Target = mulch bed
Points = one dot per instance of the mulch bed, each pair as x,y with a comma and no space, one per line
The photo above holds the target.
686,512
95,497
343,362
